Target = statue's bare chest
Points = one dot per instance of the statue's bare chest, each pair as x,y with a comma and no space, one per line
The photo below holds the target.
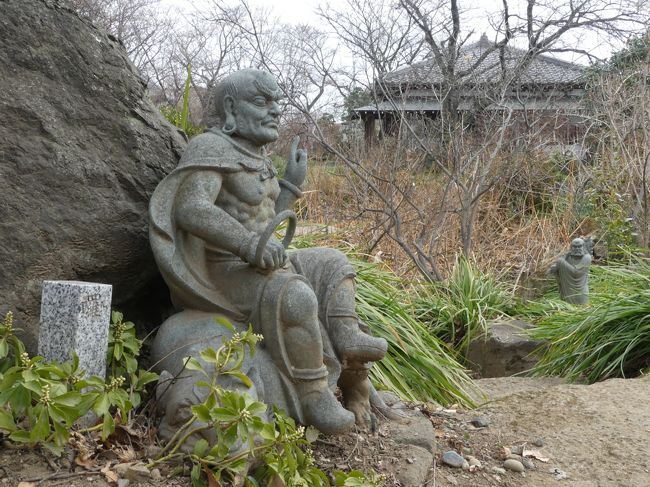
251,188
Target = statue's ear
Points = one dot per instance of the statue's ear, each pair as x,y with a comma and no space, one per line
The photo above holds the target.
229,124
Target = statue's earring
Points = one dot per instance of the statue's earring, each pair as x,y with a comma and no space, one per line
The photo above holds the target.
230,126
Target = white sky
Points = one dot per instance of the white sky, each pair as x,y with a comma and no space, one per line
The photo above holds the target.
476,18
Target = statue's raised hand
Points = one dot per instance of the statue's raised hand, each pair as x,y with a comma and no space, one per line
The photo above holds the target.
296,164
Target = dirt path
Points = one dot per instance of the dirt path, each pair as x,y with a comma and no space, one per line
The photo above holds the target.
599,435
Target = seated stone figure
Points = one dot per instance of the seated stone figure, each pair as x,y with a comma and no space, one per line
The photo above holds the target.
571,270
211,231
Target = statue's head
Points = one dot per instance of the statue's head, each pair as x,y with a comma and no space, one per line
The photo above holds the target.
245,104
577,247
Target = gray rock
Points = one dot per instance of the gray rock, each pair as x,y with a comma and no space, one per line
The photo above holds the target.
474,462
452,459
123,482
81,150
498,470
517,449
538,442
528,463
414,472
74,318
514,465
506,350
121,468
137,473
481,421
416,429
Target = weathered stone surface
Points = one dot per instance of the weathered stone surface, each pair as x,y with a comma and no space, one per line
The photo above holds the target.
415,470
81,150
75,317
414,429
506,351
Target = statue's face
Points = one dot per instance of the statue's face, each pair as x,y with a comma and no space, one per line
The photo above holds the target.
256,111
577,248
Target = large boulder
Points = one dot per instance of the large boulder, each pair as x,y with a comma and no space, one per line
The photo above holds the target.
81,150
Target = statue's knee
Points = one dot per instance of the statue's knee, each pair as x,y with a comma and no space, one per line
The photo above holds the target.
299,304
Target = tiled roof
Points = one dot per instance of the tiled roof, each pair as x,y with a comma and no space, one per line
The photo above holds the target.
543,70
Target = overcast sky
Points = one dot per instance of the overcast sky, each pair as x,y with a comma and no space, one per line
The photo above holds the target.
475,17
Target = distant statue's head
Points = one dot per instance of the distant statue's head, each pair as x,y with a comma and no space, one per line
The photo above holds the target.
245,104
577,247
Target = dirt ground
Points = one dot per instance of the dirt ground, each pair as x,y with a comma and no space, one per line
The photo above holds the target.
594,436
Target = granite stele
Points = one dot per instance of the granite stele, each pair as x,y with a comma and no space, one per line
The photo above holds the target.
212,223
75,317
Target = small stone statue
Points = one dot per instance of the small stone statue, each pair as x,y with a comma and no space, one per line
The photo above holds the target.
572,273
212,223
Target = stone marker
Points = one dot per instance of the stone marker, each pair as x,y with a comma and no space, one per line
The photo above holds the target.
75,316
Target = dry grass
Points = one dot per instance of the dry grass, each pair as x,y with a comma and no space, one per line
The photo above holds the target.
511,235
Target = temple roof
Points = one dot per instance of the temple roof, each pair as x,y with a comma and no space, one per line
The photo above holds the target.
543,70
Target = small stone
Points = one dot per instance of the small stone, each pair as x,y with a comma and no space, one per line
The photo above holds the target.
481,421
137,473
474,462
539,442
155,474
512,456
498,470
465,465
452,459
528,463
121,468
517,449
123,482
452,480
514,465
465,450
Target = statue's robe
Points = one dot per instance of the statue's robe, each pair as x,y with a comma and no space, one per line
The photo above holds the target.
572,273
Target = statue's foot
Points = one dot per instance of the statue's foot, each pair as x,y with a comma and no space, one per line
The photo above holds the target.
355,387
321,409
353,345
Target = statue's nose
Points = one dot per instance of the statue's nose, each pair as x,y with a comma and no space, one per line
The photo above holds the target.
275,109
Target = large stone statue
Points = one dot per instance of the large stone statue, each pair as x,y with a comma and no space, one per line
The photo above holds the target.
571,271
212,223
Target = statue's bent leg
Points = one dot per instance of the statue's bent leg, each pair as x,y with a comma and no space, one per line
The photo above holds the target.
345,330
292,335
355,346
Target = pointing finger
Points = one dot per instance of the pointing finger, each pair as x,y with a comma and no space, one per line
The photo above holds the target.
294,148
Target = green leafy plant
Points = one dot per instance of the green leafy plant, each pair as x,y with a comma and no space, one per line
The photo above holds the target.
238,424
41,401
459,309
180,118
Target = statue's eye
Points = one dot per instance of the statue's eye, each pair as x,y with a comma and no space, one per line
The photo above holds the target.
259,101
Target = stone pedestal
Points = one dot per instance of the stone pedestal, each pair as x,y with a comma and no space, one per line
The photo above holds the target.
75,316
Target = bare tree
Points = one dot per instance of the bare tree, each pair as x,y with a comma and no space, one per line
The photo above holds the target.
140,25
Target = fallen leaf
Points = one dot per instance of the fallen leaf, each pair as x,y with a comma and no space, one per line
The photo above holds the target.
212,480
85,462
111,476
535,454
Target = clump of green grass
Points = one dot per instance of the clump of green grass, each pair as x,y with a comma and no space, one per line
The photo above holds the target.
459,309
609,338
418,366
